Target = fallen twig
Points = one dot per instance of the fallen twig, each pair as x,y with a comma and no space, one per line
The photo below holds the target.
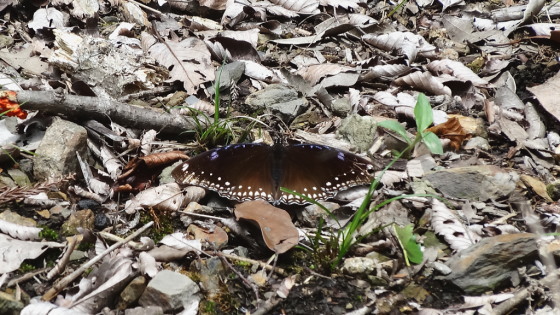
83,107
278,270
57,287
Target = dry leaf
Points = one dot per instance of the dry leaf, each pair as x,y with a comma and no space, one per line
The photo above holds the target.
278,231
315,73
216,237
188,59
292,8
424,81
166,197
536,185
456,70
453,131
404,43
448,224
14,252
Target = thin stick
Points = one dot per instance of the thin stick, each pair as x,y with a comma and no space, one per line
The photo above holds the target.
278,270
57,287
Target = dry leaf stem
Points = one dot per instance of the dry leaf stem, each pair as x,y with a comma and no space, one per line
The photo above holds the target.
57,287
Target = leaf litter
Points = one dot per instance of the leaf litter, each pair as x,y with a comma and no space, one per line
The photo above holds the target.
490,82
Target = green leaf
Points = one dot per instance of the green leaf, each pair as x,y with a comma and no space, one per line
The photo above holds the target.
432,142
396,127
412,249
423,113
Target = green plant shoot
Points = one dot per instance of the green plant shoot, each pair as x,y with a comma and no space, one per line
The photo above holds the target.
346,236
411,249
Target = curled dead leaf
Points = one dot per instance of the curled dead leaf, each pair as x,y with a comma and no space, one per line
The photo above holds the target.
278,231
451,130
216,236
141,170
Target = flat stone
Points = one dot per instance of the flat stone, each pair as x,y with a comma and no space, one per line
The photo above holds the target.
9,305
56,155
170,290
14,217
359,265
132,293
210,272
80,219
148,310
19,177
278,99
359,130
492,262
480,182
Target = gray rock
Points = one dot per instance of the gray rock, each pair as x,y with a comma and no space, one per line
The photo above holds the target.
9,305
16,218
359,130
56,155
312,213
6,41
480,182
278,99
477,143
148,310
358,265
132,293
19,177
230,73
80,219
210,270
170,290
491,262
341,106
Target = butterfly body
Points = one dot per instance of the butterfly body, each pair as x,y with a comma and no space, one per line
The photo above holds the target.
254,171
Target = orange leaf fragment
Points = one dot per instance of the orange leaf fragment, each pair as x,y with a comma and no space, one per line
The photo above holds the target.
278,231
452,130
9,105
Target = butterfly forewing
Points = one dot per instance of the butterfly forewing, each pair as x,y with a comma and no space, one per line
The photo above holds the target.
239,172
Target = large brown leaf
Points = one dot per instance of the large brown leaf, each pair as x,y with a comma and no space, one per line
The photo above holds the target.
278,231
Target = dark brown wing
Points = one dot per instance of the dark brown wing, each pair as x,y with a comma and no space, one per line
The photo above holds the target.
320,172
240,172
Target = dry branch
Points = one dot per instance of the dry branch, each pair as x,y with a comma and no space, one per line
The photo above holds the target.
57,287
87,107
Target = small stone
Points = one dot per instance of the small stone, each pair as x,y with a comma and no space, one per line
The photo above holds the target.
341,106
15,218
9,305
359,130
477,143
229,74
312,213
210,272
88,204
132,293
492,262
19,177
170,290
480,182
278,99
56,155
148,310
101,221
80,219
358,265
